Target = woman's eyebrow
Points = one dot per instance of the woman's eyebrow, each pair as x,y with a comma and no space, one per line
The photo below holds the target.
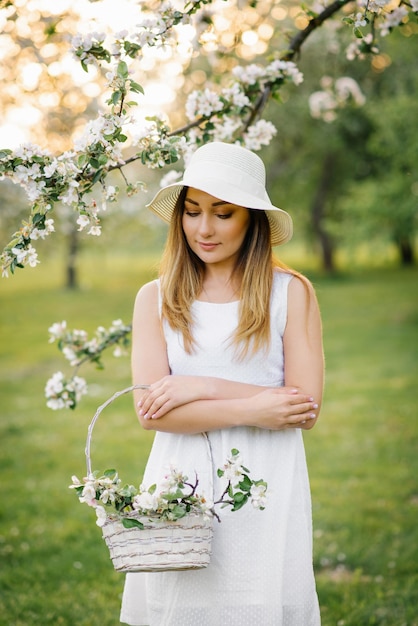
214,204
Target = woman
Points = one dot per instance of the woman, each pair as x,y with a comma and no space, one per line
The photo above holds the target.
229,341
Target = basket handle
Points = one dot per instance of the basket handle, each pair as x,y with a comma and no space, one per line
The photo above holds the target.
115,397
96,417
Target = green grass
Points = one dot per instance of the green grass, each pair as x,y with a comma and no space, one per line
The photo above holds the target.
362,454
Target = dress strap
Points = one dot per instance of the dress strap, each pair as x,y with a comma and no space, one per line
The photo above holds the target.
278,306
160,298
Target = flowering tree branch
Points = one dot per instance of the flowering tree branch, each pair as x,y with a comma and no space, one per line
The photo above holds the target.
171,500
78,349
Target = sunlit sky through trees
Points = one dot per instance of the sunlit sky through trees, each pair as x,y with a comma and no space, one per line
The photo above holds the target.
40,67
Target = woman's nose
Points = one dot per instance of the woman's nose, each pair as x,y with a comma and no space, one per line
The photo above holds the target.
206,225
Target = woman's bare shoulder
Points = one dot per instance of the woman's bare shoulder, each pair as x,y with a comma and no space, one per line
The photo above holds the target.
148,292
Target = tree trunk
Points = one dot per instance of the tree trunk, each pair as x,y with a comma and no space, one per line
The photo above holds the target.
73,248
406,250
318,214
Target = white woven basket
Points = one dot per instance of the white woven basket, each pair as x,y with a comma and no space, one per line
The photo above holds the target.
161,545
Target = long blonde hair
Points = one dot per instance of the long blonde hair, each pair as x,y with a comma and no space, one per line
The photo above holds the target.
182,272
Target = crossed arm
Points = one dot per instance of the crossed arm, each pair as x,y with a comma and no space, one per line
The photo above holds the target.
190,404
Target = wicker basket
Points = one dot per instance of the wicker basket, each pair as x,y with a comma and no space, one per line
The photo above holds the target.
161,545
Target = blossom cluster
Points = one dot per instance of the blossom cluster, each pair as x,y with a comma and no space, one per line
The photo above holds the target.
379,17
67,178
62,393
335,95
172,499
227,107
78,348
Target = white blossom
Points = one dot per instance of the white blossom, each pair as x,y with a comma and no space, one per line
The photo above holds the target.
70,196
360,20
279,68
50,169
75,482
374,6
259,134
78,386
347,88
57,330
146,501
248,75
88,494
26,256
236,95
101,516
203,103
171,177
258,496
83,221
111,193
392,19
70,355
43,232
95,230
225,128
55,384
233,470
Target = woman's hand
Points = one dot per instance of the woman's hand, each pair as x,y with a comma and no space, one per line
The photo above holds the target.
281,408
170,392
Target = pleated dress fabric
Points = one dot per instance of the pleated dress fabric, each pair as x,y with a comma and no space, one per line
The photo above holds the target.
261,571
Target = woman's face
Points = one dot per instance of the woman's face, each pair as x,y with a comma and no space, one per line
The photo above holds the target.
215,230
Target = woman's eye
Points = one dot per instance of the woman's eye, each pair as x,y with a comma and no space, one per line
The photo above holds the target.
192,213
224,216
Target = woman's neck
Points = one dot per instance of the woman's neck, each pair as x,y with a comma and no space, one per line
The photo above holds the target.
220,288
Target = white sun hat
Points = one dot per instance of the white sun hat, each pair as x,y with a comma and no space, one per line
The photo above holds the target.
230,173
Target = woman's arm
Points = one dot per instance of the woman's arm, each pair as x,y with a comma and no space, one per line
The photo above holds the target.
302,341
194,404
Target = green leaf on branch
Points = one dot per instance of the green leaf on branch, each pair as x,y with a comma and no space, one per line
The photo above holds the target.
82,160
115,97
179,511
245,483
131,49
130,522
174,495
97,176
122,70
136,87
240,499
38,219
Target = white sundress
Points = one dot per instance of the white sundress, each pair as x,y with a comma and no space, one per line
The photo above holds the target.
261,571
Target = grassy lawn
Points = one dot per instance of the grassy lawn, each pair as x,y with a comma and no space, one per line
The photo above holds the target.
362,455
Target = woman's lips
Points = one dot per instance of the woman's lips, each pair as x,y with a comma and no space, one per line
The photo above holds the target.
207,246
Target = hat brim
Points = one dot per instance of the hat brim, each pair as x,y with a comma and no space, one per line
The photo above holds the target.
281,225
